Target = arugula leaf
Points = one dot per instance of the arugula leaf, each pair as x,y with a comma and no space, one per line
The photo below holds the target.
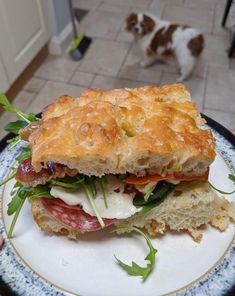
102,186
20,194
146,208
90,181
161,189
24,154
67,182
123,176
160,192
90,197
8,178
17,212
13,205
14,127
231,177
149,192
13,142
135,269
14,189
28,117
41,191
221,191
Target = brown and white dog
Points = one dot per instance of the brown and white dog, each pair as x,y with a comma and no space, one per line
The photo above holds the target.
159,39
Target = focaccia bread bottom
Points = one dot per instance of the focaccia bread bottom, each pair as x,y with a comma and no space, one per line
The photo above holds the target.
187,208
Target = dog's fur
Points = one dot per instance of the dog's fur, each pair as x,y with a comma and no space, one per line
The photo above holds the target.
159,39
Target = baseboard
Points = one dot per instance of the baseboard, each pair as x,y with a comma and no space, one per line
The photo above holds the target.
59,44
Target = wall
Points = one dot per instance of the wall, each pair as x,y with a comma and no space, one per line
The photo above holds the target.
60,26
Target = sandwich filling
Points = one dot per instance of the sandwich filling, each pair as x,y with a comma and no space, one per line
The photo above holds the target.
116,197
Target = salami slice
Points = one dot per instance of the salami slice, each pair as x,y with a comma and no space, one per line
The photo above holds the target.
73,216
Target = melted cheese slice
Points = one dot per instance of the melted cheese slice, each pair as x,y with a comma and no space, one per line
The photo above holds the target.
120,205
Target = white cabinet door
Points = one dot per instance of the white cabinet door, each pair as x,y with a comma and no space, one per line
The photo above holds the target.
23,32
4,83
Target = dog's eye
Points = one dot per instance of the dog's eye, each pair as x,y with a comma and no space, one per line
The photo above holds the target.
142,24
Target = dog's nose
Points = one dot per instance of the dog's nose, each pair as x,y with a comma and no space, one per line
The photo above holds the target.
136,30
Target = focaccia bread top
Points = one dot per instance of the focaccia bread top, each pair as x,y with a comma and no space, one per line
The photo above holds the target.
146,130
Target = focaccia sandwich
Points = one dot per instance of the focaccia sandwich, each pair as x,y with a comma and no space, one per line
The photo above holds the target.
132,157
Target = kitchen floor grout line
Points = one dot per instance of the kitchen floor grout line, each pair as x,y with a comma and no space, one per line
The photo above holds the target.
93,79
64,82
121,78
44,82
222,111
124,60
99,74
213,19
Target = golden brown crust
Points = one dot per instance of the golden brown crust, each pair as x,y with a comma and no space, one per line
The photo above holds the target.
150,129
59,107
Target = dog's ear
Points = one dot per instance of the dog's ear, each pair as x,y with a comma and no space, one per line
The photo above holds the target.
148,24
131,21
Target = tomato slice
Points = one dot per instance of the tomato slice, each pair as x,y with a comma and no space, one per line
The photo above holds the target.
73,216
155,178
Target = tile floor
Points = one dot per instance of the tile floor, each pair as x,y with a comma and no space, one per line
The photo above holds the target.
113,59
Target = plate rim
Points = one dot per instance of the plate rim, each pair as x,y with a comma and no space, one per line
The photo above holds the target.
225,133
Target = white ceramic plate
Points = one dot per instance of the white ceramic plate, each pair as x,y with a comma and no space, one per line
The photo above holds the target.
87,266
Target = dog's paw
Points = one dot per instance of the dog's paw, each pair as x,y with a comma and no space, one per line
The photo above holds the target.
180,79
144,64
